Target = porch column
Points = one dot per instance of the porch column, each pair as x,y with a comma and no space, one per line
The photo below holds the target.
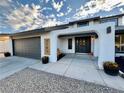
10,46
42,45
53,47
106,47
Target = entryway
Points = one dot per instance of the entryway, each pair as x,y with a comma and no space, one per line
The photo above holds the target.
83,44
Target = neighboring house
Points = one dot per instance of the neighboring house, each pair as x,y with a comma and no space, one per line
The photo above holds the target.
102,37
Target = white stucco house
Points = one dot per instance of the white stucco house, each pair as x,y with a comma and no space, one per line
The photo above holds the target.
103,37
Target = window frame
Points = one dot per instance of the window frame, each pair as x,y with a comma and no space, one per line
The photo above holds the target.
120,44
108,20
70,43
82,24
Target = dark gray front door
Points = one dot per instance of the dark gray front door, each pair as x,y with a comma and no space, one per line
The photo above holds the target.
83,44
28,47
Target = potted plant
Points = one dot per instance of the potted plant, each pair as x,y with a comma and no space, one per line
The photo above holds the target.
121,74
45,59
7,54
111,68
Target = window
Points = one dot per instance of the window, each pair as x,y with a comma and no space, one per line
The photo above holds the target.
119,43
47,46
110,20
69,43
80,24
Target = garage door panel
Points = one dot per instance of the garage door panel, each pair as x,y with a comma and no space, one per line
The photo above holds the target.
29,47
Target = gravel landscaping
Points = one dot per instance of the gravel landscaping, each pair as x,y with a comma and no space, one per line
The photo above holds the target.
34,81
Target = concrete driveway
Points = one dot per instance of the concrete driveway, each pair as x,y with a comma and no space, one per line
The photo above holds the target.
10,65
82,67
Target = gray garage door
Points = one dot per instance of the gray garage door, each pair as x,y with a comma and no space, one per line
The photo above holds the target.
28,47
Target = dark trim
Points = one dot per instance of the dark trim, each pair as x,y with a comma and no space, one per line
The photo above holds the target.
4,34
13,47
119,52
85,20
119,15
118,32
40,31
80,35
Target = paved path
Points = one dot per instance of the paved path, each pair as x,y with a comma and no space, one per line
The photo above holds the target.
81,67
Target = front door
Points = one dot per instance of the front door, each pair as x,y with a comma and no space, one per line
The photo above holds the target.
83,44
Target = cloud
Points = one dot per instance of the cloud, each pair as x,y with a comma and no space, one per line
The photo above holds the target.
46,8
52,22
25,16
60,14
47,1
57,5
95,6
28,18
5,2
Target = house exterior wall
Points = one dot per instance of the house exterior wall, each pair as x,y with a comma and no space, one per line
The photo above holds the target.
2,46
6,46
63,44
44,36
105,53
96,47
121,21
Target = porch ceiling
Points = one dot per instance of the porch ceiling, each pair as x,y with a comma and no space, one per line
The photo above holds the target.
80,34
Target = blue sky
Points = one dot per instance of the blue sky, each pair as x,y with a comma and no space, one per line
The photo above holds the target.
23,15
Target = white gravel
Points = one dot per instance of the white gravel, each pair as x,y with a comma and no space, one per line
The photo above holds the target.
34,81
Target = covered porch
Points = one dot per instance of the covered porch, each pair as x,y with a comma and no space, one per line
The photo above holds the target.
83,43
104,49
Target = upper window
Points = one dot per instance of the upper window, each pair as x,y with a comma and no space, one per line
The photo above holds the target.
80,24
115,20
70,43
119,43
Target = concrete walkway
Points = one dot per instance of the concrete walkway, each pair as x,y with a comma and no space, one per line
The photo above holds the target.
81,67
10,65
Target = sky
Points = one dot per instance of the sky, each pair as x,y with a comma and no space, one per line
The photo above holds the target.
25,15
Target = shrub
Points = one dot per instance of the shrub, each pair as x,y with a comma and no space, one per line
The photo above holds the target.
60,56
45,59
111,68
7,54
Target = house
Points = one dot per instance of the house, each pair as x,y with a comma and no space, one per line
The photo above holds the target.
101,36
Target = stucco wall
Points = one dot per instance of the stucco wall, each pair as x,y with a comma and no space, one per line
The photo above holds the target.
96,47
2,48
63,44
121,21
6,46
44,36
